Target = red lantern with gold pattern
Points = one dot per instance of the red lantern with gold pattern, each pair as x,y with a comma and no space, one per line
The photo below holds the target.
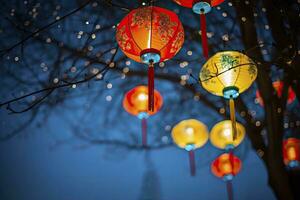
226,166
291,152
135,102
201,7
150,35
278,86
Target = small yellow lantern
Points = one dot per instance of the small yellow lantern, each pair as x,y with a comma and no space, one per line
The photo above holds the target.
228,74
190,134
221,135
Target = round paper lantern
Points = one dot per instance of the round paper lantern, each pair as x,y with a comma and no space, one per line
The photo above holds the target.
201,7
228,74
226,166
291,152
135,102
221,135
278,86
150,35
190,134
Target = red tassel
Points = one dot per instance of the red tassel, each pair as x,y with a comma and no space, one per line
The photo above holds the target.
144,132
203,35
229,190
192,162
151,87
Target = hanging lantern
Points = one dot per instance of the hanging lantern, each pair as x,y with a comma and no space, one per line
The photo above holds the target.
190,135
221,135
226,166
135,102
150,35
201,7
278,86
291,152
228,74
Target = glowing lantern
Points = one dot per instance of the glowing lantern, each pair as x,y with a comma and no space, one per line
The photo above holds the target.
291,152
201,7
278,86
228,74
150,35
190,134
135,102
226,166
221,135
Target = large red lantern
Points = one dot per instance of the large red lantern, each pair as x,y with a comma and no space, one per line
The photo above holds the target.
291,152
201,7
135,102
226,166
150,35
278,86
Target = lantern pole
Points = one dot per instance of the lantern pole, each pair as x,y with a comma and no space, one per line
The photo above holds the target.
232,117
151,86
229,189
144,131
203,33
192,162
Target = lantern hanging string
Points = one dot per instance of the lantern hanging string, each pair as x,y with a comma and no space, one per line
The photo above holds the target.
192,162
232,118
203,34
144,132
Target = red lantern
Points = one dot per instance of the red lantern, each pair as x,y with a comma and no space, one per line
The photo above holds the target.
201,7
135,102
226,166
150,35
278,86
291,152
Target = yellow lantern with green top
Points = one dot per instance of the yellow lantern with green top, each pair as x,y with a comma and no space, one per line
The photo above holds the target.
228,74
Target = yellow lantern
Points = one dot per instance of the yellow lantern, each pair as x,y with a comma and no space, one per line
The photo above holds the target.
221,135
228,74
190,134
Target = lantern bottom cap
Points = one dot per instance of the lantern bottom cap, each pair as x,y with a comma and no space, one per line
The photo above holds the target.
229,147
294,164
230,92
228,177
143,115
201,7
189,147
150,56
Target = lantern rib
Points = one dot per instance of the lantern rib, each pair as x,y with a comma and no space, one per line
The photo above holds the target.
171,38
132,35
237,76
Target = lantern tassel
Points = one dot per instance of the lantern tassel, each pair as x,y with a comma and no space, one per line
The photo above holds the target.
144,132
232,118
203,35
151,87
192,162
229,190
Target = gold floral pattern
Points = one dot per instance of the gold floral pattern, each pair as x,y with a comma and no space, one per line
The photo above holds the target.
123,39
